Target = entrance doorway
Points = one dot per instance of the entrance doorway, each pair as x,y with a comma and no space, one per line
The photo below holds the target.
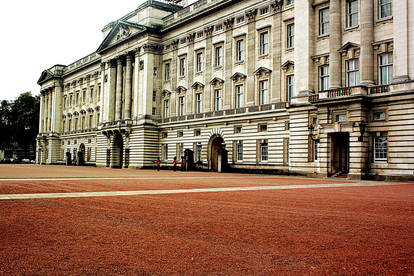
81,155
339,153
217,153
117,151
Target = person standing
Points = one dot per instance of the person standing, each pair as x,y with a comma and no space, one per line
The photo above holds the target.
175,164
158,164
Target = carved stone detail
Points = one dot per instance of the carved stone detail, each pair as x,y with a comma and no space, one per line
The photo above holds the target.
251,14
208,30
229,22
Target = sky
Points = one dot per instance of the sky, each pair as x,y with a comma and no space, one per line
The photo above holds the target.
35,35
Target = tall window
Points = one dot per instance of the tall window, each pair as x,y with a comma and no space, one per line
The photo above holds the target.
217,99
264,43
90,121
167,71
239,96
198,152
385,68
290,2
219,56
182,67
352,13
264,151
180,150
324,21
84,96
380,148
290,35
240,50
166,108
352,72
165,152
181,106
385,8
198,103
323,78
239,151
290,83
264,91
199,62
315,150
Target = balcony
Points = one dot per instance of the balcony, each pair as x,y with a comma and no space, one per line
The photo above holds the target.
346,92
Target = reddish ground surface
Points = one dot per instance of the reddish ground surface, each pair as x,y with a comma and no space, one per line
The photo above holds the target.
315,231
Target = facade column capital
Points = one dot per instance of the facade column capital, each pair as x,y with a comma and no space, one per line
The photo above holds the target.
251,14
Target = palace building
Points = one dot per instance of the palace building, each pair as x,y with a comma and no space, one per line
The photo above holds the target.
312,87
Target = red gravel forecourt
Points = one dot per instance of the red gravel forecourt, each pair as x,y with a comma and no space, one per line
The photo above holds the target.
342,230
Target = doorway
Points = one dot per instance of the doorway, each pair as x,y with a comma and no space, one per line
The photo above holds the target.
339,153
117,151
216,150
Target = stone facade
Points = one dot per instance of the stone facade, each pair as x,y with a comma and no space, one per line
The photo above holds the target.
308,87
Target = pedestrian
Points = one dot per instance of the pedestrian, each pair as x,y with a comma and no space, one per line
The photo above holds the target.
158,164
175,163
183,163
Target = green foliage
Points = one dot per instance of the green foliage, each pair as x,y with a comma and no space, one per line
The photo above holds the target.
19,121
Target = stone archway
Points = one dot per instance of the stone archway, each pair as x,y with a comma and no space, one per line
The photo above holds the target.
216,147
117,151
81,154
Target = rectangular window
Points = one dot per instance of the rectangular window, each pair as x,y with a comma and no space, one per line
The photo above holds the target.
290,35
197,132
324,21
385,8
385,68
165,152
181,106
154,96
380,148
219,56
340,118
239,96
182,67
352,72
262,128
352,13
154,111
200,34
166,108
264,43
264,10
180,150
167,71
91,95
290,2
199,62
240,50
239,148
264,91
237,129
378,116
240,20
323,78
315,150
198,152
84,96
217,99
198,103
264,151
290,80
219,27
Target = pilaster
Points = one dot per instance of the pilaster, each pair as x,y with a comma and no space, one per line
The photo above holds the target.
119,86
128,87
228,63
251,56
334,44
367,38
401,38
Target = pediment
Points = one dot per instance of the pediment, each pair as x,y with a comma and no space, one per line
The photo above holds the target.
166,93
121,31
348,46
216,81
181,89
262,70
197,85
238,76
45,76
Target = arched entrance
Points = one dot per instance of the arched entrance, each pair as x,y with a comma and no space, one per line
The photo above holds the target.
216,150
117,151
81,155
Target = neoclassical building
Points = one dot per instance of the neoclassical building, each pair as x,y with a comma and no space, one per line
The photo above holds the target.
313,87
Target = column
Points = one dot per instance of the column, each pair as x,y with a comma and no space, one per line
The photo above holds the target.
136,84
276,95
49,107
42,105
251,56
401,57
367,37
334,44
118,92
58,107
228,63
206,96
128,87
102,91
112,88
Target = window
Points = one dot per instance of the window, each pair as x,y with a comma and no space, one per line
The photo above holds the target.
239,96
264,91
237,129
264,10
240,50
239,151
219,27
378,116
262,127
180,151
200,34
84,96
197,132
165,152
99,92
219,56
323,78
290,35
198,103
70,100
155,71
90,121
199,62
165,135
182,67
154,96
385,8
264,151
264,43
352,13
217,99
91,95
180,133
167,71
385,68
154,111
380,148
340,117
290,2
290,80
181,106
315,150
198,152
166,108
240,20
324,21
352,72
77,98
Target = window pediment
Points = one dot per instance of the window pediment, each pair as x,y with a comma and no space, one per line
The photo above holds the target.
262,71
238,77
197,85
216,81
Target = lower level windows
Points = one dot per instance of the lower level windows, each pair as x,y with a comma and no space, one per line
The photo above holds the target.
380,149
264,149
352,72
239,151
198,152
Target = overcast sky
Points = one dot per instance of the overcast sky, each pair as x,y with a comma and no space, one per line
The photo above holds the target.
36,35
